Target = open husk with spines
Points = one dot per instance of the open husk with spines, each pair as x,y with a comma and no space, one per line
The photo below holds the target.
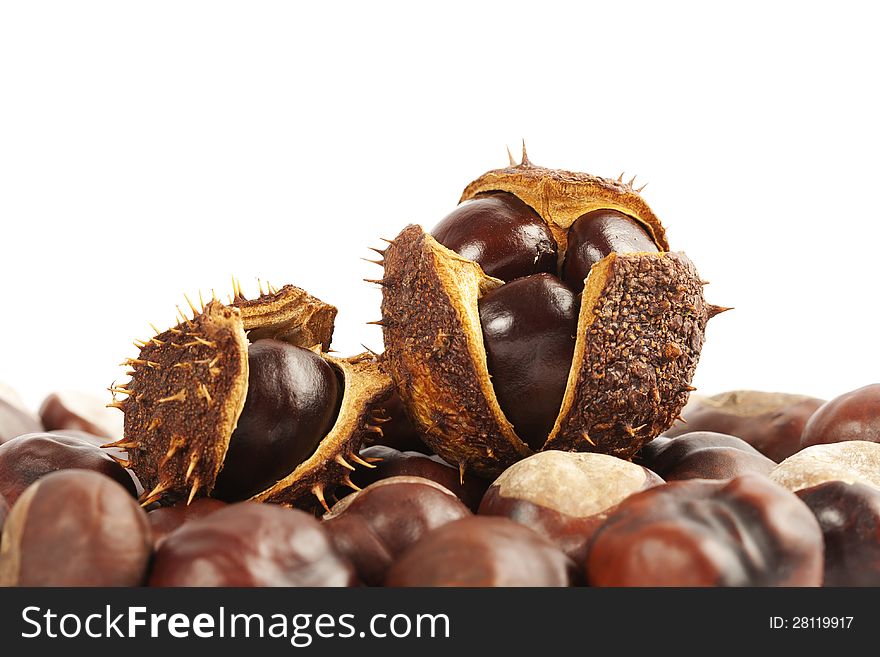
189,384
640,331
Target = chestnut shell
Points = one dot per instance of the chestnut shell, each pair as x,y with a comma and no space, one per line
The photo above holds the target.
640,332
188,389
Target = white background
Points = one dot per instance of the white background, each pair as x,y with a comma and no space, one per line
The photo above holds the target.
149,149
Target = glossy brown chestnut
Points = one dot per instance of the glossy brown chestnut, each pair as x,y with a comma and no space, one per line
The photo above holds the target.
744,532
849,515
594,235
292,401
703,455
854,415
771,422
528,330
118,454
251,544
166,519
26,459
482,551
79,411
16,421
467,487
565,496
500,233
75,528
373,527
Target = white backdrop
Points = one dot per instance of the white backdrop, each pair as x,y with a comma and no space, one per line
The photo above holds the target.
152,149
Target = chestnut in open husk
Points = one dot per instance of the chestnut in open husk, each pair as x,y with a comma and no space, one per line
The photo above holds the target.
747,531
242,401
75,528
634,327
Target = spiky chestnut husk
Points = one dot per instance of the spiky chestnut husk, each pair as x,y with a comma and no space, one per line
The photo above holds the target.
188,388
640,332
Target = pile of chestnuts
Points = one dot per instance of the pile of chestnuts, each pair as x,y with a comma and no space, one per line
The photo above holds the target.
530,423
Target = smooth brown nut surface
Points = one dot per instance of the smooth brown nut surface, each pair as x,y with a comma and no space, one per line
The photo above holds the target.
75,528
849,515
79,411
703,455
166,519
291,404
771,422
565,496
250,544
529,328
853,461
594,235
467,487
15,421
26,459
373,527
482,551
854,415
502,234
744,532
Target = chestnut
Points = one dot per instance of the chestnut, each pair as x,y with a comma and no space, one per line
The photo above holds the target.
849,515
596,234
26,459
854,415
502,234
528,332
492,368
853,461
79,411
373,527
389,462
4,511
747,531
565,496
292,401
250,544
15,420
771,422
703,455
75,528
166,519
482,551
